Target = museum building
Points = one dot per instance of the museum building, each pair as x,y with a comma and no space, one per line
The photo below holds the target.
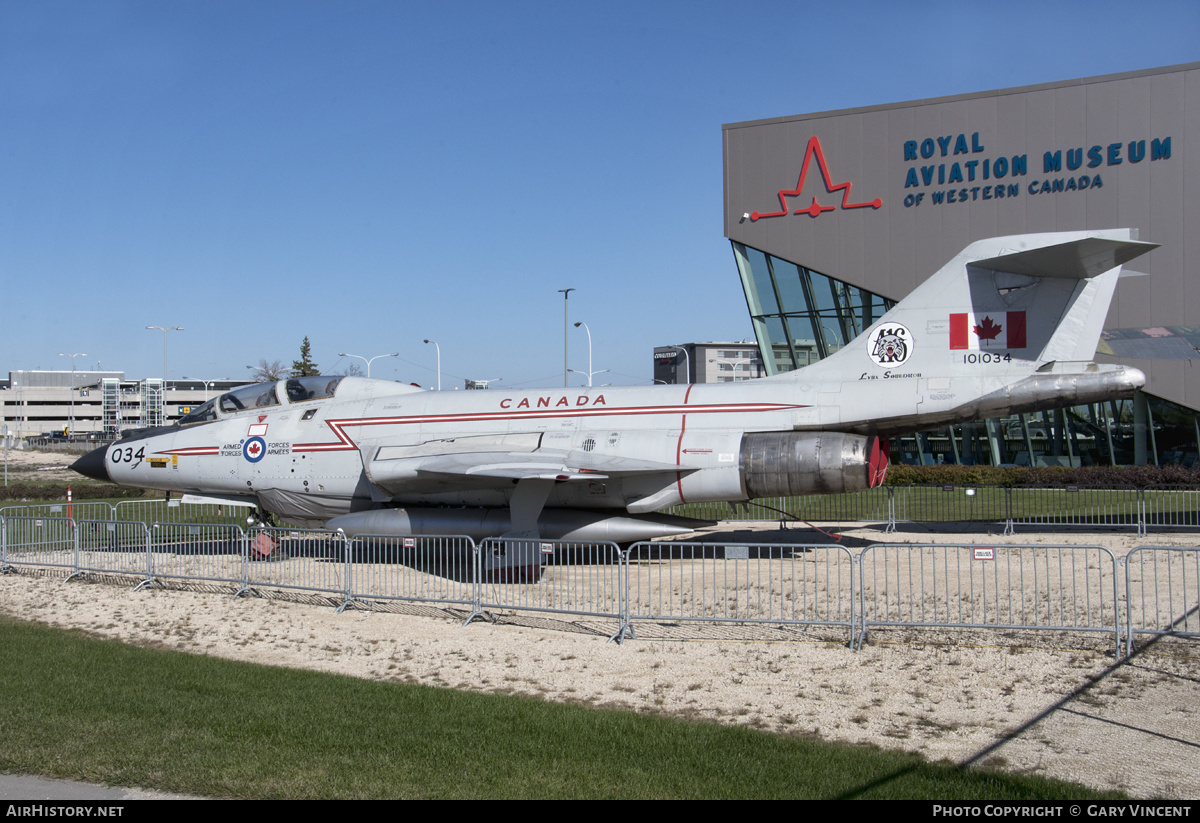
835,216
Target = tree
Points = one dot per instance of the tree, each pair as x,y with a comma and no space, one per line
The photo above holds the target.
305,367
267,372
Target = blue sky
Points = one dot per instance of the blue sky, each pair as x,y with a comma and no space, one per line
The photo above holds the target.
371,174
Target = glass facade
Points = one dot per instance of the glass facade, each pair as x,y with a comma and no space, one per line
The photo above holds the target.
801,316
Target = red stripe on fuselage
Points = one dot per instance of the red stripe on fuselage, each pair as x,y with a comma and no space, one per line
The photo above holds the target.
679,445
591,412
344,443
347,444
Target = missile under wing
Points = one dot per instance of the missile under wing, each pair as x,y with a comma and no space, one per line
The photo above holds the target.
1009,325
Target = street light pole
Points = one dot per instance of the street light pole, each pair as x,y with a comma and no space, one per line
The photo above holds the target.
589,334
372,360
590,373
208,383
439,361
566,293
71,414
164,330
732,367
687,364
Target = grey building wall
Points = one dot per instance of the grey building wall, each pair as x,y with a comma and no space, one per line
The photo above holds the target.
903,157
30,378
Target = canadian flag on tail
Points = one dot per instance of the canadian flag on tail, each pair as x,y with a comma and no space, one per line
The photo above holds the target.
990,330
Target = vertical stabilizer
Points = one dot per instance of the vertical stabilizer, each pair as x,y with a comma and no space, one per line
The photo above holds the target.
1014,302
1009,325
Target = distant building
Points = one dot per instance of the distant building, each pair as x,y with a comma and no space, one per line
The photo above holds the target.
707,363
97,405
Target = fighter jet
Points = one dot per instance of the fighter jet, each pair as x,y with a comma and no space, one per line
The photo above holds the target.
1009,325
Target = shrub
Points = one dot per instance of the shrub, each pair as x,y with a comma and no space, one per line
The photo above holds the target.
947,474
58,491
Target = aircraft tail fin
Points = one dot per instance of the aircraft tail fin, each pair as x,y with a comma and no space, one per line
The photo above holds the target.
1085,272
1009,324
1024,299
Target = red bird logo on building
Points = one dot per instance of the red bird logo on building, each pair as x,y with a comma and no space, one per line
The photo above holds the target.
815,208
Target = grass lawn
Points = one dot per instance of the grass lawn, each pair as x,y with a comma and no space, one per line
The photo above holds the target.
82,708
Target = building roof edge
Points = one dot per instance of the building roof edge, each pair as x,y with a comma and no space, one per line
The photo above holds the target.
929,101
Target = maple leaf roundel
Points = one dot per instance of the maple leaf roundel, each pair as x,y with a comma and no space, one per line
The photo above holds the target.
254,449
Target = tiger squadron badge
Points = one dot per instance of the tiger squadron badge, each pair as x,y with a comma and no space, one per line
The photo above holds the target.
890,345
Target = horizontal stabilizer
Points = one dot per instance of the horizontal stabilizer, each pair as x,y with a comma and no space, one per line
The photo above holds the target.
1075,260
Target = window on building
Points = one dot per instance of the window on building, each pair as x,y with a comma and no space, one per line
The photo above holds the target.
800,315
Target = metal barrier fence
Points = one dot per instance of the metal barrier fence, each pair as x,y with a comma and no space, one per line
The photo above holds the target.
145,511
1024,587
1162,592
1058,588
310,560
113,546
87,509
559,576
1170,506
1113,506
873,505
1103,506
43,542
209,552
178,511
795,585
950,503
441,570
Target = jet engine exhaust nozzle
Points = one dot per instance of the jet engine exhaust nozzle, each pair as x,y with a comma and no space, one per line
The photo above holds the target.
786,464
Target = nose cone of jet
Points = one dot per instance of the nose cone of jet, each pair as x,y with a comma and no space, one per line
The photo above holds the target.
93,464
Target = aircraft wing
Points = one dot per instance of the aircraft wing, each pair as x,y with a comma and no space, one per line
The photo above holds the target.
511,466
485,469
541,465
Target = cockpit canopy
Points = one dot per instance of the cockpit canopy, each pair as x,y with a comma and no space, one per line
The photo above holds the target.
254,396
311,388
262,395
